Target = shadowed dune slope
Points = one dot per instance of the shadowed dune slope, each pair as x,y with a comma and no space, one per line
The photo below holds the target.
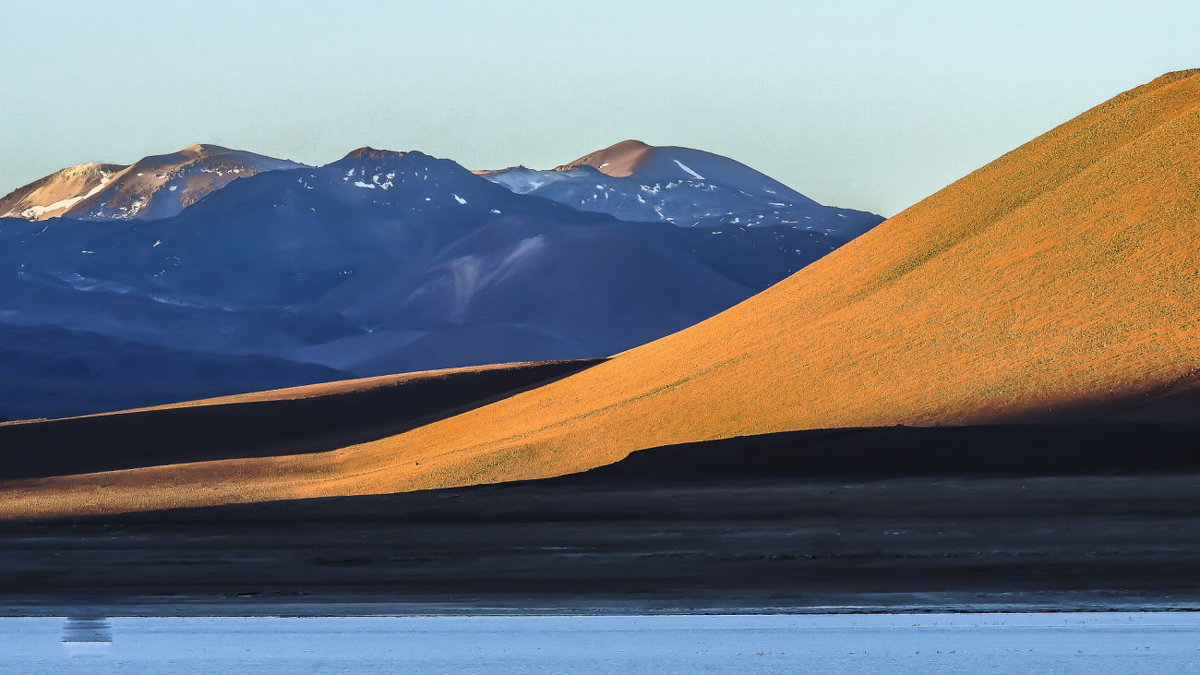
1053,283
303,419
1054,514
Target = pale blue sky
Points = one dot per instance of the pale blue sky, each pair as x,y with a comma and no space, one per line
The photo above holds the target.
869,105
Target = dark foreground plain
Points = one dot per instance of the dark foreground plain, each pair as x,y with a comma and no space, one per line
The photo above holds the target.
1058,517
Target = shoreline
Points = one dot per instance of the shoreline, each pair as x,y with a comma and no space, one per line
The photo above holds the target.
403,610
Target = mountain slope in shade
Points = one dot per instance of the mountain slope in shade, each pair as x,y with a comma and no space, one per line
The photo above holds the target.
55,371
691,188
153,187
1057,282
380,262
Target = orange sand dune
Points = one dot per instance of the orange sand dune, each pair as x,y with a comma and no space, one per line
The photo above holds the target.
1059,279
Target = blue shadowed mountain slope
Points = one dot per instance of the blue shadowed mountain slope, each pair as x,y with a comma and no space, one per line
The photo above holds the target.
685,187
380,262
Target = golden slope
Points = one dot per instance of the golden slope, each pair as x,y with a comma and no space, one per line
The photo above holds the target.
1063,275
59,192
620,159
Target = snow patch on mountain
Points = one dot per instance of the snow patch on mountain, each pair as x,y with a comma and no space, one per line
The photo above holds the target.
683,166
689,188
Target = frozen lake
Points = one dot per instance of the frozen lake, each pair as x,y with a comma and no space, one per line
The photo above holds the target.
1150,642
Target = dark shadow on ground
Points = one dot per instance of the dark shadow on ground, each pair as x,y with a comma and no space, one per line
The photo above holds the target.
787,520
258,428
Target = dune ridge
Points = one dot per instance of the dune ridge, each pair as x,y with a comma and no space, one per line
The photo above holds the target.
1047,284
311,418
323,389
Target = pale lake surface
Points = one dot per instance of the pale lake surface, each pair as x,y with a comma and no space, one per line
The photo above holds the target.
1116,642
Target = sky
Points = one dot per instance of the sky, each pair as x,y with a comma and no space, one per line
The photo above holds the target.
868,105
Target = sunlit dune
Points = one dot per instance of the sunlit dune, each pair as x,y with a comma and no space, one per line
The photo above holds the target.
1054,283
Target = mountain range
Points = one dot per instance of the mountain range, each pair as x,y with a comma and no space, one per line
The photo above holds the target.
1053,284
210,271
681,186
153,187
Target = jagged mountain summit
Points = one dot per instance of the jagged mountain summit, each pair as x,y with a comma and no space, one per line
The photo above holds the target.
379,262
158,186
691,188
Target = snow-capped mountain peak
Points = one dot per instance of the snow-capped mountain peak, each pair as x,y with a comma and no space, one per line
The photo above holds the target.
153,187
59,192
692,188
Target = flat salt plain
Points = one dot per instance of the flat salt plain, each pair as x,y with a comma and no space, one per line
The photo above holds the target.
1111,642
